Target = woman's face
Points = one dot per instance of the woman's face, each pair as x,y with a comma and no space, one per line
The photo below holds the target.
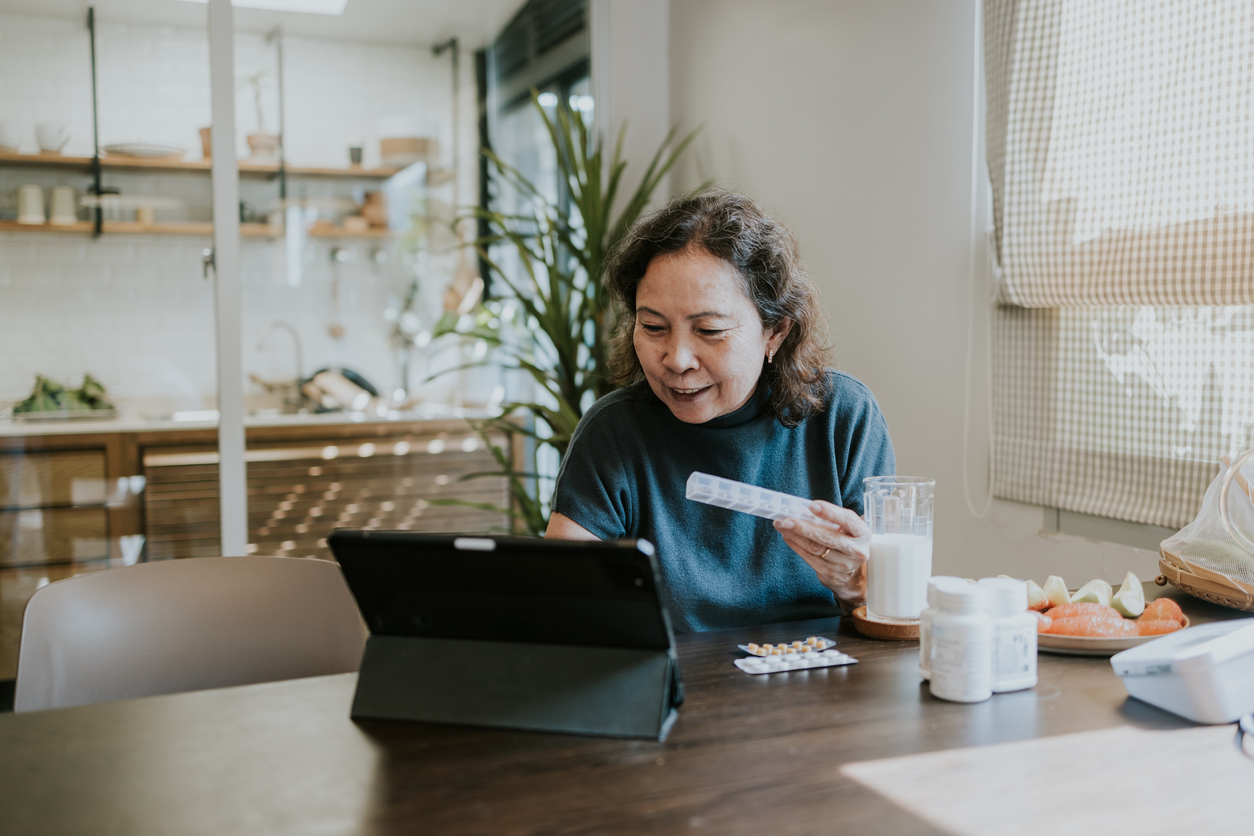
698,336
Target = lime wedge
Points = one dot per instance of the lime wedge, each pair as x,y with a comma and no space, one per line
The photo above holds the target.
1056,591
1094,592
1130,599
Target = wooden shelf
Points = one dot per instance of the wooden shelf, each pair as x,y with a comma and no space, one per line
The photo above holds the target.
188,228
248,168
7,158
346,173
14,226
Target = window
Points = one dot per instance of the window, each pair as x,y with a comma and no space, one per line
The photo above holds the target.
1121,155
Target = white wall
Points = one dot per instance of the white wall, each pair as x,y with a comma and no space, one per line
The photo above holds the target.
850,121
133,310
631,79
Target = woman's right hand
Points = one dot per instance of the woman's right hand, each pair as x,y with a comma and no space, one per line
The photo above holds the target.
836,548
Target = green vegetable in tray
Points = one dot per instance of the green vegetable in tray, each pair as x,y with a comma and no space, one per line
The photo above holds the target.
50,396
92,393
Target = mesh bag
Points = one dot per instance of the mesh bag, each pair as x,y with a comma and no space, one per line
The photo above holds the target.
1203,559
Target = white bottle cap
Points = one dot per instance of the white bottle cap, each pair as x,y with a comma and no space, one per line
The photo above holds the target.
936,582
961,598
1006,596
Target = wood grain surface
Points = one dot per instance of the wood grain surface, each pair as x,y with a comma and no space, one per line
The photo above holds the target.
40,480
748,755
40,536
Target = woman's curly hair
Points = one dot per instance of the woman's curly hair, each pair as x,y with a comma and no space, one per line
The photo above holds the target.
731,227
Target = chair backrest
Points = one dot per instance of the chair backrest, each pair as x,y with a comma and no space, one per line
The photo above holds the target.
185,625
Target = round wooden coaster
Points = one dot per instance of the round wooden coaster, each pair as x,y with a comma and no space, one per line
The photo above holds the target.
877,628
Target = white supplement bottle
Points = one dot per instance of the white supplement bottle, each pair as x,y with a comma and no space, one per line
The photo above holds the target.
1014,635
962,644
925,623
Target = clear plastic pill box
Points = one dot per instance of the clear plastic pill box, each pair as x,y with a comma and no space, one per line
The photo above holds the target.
748,499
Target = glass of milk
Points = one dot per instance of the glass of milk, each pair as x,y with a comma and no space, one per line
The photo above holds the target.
899,511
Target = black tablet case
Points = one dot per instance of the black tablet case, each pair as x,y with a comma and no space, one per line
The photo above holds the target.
512,632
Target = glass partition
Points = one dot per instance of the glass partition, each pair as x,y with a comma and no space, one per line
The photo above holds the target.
106,318
356,161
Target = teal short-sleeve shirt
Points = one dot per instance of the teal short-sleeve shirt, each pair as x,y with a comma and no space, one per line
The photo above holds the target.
624,477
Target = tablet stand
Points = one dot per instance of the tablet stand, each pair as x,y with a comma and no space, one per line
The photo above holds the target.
613,691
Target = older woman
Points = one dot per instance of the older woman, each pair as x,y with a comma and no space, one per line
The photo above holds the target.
720,338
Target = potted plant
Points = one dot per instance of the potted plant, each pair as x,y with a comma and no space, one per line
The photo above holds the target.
558,335
262,144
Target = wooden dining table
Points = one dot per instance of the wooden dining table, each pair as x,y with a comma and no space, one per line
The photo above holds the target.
827,750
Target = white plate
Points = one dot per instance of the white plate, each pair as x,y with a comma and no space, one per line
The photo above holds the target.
148,150
1092,645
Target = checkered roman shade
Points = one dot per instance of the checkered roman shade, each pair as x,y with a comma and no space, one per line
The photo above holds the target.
1120,145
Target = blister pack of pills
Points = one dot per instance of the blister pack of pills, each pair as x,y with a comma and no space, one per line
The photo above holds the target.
749,499
794,661
799,646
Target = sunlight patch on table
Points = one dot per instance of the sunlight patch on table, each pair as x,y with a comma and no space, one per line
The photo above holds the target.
1115,781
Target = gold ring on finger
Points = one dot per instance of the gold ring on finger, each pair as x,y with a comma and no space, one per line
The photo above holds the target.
825,551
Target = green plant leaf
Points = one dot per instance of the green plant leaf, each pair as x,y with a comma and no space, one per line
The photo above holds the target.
560,249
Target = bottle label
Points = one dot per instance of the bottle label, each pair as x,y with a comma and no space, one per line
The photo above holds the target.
1014,655
961,664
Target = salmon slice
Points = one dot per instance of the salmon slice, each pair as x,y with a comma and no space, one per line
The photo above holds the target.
1159,627
1086,609
1163,609
1095,626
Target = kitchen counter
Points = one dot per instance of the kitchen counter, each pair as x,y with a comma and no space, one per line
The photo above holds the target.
138,423
84,490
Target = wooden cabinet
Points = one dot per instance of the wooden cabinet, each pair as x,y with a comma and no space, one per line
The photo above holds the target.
42,536
72,498
299,490
46,479
53,506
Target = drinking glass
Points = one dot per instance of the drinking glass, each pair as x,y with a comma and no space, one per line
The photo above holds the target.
899,511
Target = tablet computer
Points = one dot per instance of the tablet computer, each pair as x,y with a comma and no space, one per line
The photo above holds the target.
513,632
510,589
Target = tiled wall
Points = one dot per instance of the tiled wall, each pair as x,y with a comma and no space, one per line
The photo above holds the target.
135,312
154,85
133,309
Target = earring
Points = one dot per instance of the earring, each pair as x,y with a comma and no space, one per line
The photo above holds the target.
770,356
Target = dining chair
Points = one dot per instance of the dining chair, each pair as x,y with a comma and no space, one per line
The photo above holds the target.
185,625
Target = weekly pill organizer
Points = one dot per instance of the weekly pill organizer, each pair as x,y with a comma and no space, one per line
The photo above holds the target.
748,499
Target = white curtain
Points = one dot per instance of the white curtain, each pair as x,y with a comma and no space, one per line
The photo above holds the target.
1121,155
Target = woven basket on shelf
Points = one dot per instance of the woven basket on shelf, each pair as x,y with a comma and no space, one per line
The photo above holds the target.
1204,583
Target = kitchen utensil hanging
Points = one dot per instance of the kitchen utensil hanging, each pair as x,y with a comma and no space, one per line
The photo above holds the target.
335,328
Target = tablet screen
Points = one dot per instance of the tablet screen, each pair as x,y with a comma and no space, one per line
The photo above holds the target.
504,588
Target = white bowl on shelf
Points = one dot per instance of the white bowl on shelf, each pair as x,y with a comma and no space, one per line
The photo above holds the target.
145,150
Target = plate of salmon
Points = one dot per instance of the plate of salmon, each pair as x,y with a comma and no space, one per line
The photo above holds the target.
1095,629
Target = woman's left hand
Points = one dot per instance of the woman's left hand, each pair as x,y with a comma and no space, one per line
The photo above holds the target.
835,548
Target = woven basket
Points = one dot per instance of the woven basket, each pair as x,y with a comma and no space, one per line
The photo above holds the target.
1205,583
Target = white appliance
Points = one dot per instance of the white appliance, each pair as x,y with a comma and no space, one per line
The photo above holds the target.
1204,673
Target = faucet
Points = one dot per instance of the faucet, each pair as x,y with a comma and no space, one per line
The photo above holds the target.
275,326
